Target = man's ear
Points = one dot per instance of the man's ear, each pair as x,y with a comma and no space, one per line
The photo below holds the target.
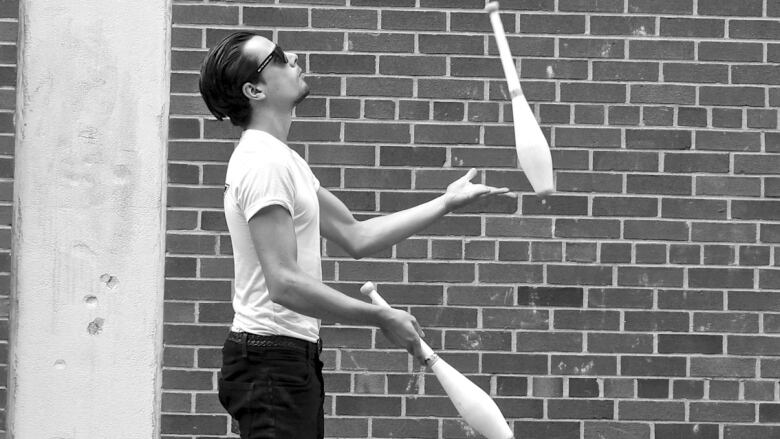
253,92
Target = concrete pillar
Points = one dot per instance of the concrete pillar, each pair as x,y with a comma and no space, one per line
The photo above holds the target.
89,219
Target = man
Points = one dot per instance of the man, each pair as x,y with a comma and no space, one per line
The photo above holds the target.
271,378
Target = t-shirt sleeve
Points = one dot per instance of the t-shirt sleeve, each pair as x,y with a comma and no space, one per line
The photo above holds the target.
265,185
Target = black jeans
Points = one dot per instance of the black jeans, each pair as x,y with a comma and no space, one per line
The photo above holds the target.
274,391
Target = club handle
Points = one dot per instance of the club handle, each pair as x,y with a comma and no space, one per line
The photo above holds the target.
369,289
510,71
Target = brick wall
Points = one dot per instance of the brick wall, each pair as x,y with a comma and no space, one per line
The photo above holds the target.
9,18
641,301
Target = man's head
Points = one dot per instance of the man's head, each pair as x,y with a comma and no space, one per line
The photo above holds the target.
245,71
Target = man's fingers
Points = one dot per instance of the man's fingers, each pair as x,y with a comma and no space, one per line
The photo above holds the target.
470,175
419,330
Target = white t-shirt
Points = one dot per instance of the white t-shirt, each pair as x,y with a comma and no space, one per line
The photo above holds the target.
262,172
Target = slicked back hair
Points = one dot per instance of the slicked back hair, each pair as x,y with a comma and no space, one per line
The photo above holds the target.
222,76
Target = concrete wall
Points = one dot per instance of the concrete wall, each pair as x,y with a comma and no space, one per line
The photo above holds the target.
88,219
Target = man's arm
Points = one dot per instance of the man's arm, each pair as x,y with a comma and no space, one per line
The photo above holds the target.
363,238
273,236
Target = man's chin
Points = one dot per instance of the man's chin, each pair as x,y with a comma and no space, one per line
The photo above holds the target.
302,96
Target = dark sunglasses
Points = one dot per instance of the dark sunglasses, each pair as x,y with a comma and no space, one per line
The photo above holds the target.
277,54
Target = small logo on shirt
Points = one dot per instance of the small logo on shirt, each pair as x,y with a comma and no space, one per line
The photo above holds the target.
227,186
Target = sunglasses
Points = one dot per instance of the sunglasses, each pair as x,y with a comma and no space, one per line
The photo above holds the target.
277,54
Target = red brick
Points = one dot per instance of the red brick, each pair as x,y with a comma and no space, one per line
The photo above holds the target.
591,48
414,20
730,51
510,273
549,342
589,182
541,430
450,89
625,161
622,25
732,96
754,29
620,343
722,7
663,94
693,208
576,409
650,276
659,184
761,210
525,46
277,17
478,340
587,228
722,412
692,27
377,132
756,164
625,71
690,344
587,320
446,134
367,405
582,365
728,322
726,232
205,14
378,178
619,297
658,139
656,230
590,6
660,6
341,154
755,74
624,206
450,44
476,22
515,318
413,65
769,279
698,162
383,427
593,92
753,345
309,41
343,18
729,186
552,24
193,424
587,137
384,42
481,157
686,299
762,119
447,272
338,63
379,86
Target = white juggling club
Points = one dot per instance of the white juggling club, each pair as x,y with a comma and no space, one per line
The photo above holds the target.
473,404
533,151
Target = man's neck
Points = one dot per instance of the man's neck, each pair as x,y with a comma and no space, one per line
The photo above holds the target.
275,124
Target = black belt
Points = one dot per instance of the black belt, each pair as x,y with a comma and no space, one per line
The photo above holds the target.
275,341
